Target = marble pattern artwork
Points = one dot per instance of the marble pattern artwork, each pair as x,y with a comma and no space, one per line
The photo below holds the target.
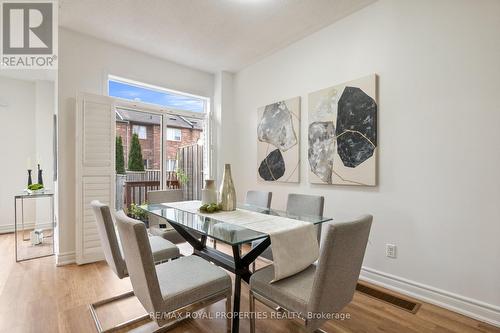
321,149
342,134
276,126
278,141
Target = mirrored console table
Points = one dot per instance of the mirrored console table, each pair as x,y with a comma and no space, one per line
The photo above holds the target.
35,239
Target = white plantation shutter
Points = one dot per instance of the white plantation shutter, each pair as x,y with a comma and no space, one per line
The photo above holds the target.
95,169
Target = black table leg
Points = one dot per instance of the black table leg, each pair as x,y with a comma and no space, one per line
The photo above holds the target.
236,264
197,244
240,270
236,304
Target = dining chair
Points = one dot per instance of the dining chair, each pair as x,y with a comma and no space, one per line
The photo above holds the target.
259,198
170,289
162,250
299,205
323,288
158,226
255,198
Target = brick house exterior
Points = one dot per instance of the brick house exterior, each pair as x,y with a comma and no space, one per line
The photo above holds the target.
148,128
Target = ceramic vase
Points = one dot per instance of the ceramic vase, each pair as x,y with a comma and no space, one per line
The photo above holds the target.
227,191
209,193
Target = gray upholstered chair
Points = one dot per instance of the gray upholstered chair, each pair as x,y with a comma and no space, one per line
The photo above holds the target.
323,288
155,223
162,250
298,205
259,198
172,287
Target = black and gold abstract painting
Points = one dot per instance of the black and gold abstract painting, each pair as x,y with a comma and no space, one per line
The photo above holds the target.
342,134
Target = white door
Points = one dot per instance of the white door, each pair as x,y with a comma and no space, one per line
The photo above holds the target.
95,169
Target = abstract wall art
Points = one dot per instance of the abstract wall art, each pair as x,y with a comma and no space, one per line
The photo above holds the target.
278,141
342,134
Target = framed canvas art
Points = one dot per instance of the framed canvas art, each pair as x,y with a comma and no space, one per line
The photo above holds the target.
342,134
278,135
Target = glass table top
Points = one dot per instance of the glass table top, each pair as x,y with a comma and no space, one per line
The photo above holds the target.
222,231
26,194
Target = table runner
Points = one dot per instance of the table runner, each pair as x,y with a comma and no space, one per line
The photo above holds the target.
294,242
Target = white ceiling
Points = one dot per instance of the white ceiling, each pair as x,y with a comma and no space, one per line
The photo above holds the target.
210,35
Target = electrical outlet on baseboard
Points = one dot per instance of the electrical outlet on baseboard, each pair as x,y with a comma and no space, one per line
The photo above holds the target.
391,251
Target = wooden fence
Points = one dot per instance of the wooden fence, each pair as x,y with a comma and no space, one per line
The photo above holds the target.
137,192
135,176
191,163
133,187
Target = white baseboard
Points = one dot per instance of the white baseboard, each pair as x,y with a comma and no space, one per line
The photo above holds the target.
6,228
65,258
479,310
9,228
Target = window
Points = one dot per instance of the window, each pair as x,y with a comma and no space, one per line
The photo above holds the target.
174,134
141,131
176,128
171,165
140,92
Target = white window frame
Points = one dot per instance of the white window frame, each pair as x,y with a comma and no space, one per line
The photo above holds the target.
142,131
171,165
110,77
172,134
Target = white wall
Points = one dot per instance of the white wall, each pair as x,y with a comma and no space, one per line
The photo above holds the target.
25,132
439,156
223,120
85,63
45,102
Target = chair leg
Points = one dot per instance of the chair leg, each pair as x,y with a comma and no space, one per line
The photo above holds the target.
93,311
228,311
252,311
253,267
215,244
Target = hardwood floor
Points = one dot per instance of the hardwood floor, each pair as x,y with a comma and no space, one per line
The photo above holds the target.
36,296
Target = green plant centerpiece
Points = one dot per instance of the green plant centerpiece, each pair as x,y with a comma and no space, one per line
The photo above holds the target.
35,188
210,208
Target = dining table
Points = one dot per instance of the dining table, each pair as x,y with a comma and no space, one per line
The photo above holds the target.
195,227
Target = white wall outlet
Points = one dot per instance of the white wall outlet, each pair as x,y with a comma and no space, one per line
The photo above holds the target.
390,251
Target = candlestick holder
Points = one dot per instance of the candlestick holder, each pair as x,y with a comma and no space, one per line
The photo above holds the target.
29,177
40,178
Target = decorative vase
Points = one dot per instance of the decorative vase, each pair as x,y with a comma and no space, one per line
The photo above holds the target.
40,179
209,193
227,191
29,178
